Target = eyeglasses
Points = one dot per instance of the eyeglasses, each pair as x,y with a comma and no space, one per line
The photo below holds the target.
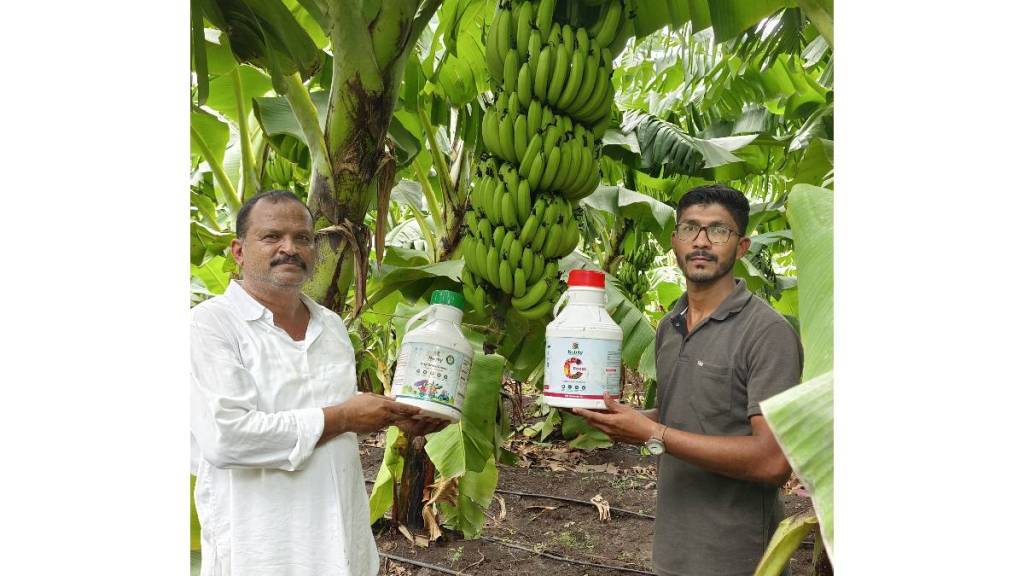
716,233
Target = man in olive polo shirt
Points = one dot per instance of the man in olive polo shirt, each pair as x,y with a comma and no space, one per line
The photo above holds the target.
719,353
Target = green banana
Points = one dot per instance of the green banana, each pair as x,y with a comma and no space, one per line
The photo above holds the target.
493,266
520,137
505,277
572,85
526,262
471,222
523,23
545,14
553,242
536,171
551,137
468,281
586,89
554,90
504,30
610,25
603,84
551,169
537,242
537,312
566,166
539,207
570,239
568,38
534,293
529,229
486,231
515,253
522,201
491,53
508,211
489,131
511,69
536,143
524,83
498,237
481,260
518,283
540,81
551,270
533,117
506,136
536,44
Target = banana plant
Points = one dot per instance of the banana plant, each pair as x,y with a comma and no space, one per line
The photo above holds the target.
801,418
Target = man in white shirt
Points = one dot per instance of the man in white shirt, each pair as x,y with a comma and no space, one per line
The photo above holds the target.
275,413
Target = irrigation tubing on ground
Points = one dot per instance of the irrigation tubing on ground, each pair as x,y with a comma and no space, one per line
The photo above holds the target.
440,569
563,558
565,499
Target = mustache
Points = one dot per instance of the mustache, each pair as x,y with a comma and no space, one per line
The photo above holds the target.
701,254
288,260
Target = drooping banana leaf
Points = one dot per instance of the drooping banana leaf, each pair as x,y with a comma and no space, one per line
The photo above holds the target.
728,18
785,541
809,211
801,420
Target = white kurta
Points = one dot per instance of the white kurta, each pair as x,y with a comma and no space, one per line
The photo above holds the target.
270,502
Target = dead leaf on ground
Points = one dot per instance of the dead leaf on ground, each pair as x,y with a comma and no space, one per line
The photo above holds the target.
608,468
603,508
501,503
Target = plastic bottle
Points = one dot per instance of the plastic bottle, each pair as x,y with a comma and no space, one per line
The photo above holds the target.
434,359
583,354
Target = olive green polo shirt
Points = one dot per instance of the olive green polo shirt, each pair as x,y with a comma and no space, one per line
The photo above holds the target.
711,381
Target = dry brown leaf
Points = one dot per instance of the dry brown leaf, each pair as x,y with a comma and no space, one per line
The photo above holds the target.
422,541
541,508
430,519
603,508
405,532
501,503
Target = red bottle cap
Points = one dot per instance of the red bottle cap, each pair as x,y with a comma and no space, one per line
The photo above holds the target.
587,278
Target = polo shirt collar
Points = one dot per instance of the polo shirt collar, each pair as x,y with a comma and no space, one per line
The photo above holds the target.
251,309
733,303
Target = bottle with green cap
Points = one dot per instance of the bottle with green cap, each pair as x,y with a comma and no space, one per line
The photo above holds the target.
434,359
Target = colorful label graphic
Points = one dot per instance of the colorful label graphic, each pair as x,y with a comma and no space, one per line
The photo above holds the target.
582,368
433,373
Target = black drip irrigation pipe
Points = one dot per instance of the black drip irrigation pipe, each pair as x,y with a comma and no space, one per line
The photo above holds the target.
565,499
440,569
563,558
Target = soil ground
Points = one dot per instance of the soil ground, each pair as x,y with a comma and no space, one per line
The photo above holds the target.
623,477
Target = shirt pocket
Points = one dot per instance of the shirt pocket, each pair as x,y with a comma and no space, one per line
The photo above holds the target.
711,386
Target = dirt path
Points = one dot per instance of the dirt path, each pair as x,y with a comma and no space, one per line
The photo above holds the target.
619,474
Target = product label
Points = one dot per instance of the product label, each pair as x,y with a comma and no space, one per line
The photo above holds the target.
431,372
582,368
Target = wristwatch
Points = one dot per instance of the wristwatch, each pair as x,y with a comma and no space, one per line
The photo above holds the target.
656,444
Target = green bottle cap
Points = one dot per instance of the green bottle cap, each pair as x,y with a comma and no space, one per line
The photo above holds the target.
448,297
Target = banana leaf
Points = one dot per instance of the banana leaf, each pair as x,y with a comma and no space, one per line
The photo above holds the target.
801,419
784,543
809,211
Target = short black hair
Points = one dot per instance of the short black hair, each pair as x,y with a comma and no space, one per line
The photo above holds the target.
272,196
731,199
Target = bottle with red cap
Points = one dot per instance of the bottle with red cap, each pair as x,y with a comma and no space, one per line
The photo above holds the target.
583,352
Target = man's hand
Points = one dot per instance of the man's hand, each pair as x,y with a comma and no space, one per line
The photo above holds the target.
413,427
364,413
621,422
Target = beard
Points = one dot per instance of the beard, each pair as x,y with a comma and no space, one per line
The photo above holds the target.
714,269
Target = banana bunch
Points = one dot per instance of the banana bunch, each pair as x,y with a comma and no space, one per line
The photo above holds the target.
291,149
278,170
639,254
567,68
552,152
553,93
